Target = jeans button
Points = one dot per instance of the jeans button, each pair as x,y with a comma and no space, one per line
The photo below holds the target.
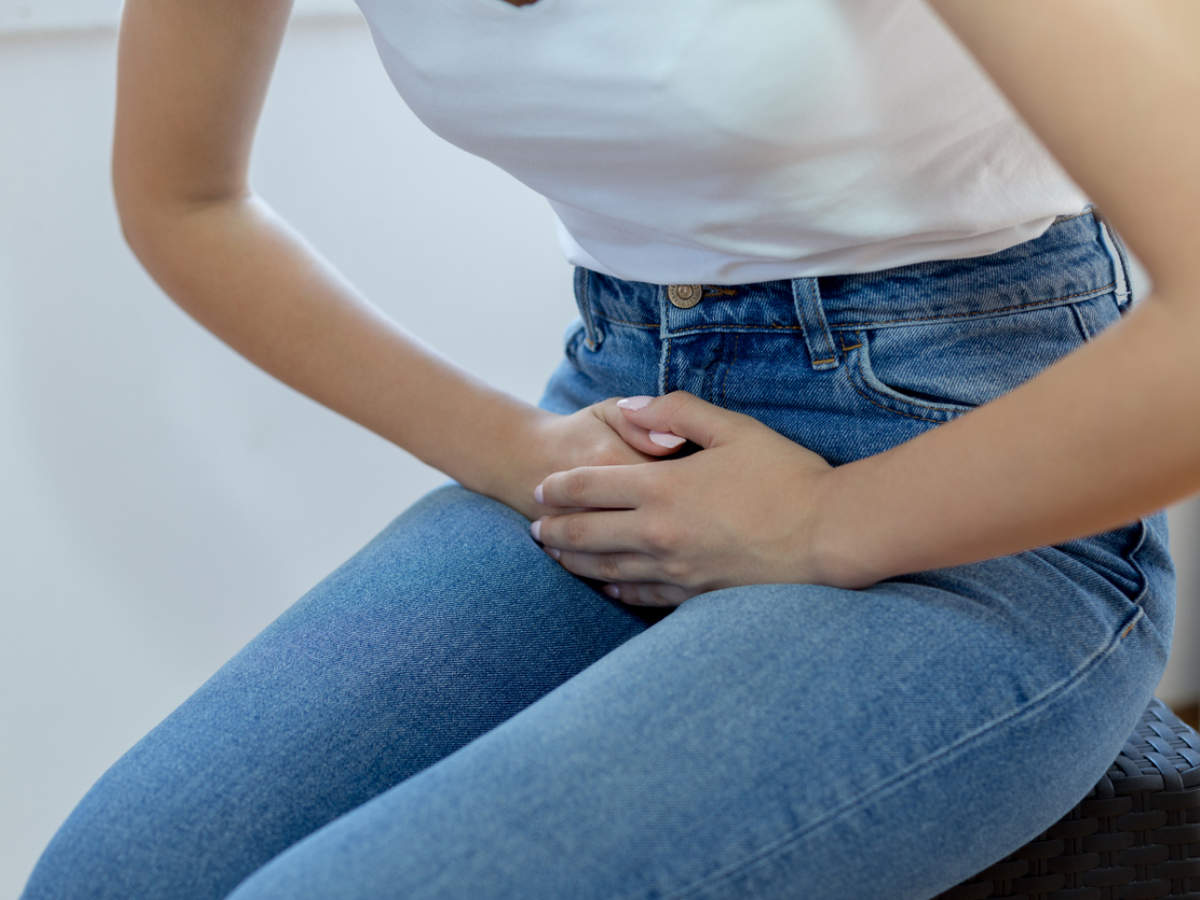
684,296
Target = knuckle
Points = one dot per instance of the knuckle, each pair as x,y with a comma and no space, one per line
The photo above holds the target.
575,485
610,568
660,536
654,490
676,569
574,529
650,539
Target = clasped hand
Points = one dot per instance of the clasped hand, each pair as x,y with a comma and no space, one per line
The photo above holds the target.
742,509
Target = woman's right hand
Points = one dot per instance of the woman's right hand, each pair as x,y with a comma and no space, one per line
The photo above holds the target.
597,435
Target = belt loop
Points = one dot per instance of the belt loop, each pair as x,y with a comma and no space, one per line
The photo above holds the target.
822,351
583,302
1121,268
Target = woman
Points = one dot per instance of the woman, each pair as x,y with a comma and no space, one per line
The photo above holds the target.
916,534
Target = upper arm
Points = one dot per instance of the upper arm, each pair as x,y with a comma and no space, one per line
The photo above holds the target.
1111,88
191,79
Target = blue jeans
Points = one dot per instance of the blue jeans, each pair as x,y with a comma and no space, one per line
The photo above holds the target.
451,714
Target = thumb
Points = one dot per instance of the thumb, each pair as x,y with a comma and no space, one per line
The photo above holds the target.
680,413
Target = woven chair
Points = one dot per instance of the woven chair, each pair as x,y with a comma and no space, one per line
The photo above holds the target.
1135,836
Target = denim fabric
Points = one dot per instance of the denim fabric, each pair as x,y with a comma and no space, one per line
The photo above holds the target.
450,714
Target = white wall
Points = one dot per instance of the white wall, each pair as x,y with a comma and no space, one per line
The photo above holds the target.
163,499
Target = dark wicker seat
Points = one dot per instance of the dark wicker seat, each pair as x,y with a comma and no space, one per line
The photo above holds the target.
1135,836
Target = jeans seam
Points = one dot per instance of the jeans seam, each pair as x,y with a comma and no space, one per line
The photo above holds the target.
664,374
729,365
860,364
1075,297
901,777
1114,246
899,412
1080,322
1144,529
653,325
571,346
875,323
593,341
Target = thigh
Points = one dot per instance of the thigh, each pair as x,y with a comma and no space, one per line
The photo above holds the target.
446,623
774,741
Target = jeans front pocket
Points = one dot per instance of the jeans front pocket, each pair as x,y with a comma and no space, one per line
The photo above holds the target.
937,370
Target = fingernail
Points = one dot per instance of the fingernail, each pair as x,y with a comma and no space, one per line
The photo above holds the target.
538,495
554,551
535,528
666,439
612,590
634,402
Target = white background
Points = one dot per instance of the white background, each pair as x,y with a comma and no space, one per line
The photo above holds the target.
161,499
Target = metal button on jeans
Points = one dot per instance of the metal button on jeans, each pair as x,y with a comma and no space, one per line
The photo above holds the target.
684,296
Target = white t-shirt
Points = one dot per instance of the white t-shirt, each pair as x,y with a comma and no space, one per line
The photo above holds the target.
731,141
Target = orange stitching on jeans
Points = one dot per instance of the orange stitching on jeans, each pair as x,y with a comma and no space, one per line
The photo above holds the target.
734,326
720,326
1034,305
627,322
843,326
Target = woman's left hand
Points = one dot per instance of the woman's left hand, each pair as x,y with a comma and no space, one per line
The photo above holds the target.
743,509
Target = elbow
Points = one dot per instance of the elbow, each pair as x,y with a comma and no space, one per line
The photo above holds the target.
148,209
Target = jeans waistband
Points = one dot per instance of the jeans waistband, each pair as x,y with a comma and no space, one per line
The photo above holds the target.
1069,262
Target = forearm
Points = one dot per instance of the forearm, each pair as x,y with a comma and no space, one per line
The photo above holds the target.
246,276
1093,442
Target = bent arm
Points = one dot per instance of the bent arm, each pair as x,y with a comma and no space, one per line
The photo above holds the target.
191,79
1106,434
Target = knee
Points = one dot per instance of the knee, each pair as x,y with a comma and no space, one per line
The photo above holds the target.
119,842
91,855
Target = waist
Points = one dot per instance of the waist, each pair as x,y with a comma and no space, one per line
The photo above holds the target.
1066,263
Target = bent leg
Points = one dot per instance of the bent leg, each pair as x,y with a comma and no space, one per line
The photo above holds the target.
774,741
445,624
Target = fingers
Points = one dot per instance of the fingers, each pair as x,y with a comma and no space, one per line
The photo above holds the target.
588,487
615,567
636,436
594,531
648,593
684,414
622,570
